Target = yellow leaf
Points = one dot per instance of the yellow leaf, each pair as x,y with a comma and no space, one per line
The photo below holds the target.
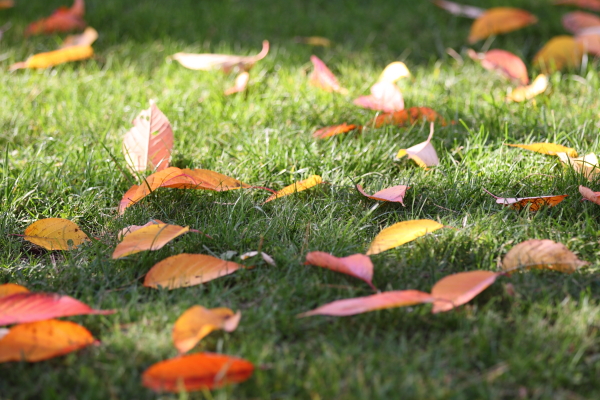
400,233
314,41
551,149
55,234
197,322
560,52
522,93
499,20
11,288
296,187
394,72
586,165
541,254
152,237
52,58
423,153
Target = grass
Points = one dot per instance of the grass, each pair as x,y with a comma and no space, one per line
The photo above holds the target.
61,132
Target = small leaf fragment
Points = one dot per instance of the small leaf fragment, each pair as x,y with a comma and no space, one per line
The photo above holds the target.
241,82
356,265
152,237
55,234
534,203
11,288
551,149
408,117
522,93
393,72
498,20
334,130
394,194
593,5
314,41
423,154
401,233
197,322
542,254
308,183
266,258
587,194
385,96
87,38
458,289
225,62
460,9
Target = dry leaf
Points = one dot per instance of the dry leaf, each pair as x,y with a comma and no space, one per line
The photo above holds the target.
356,265
534,203
541,254
577,21
394,194
359,305
551,149
148,145
586,165
55,234
152,237
225,62
593,5
314,41
587,194
457,289
314,180
11,288
401,233
132,228
560,52
393,72
323,78
329,131
423,153
384,96
41,340
4,4
407,117
199,371
522,93
197,322
30,307
52,58
185,270
500,20
266,258
62,20
504,62
241,82
460,9
87,38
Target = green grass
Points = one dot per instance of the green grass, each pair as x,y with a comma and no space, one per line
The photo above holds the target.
61,131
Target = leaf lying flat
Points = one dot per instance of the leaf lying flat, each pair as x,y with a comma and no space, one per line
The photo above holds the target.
132,228
559,53
323,78
329,131
394,194
534,203
185,270
55,234
522,93
356,265
393,72
457,289
314,41
296,187
11,288
87,38
499,20
504,62
423,154
62,20
593,5
541,254
197,322
152,237
577,21
384,96
587,194
551,149
460,9
401,233
407,117
56,57
225,62
586,165
30,307
241,82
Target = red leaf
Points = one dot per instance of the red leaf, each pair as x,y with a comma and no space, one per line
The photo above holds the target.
457,289
62,20
505,62
357,265
329,131
323,78
393,194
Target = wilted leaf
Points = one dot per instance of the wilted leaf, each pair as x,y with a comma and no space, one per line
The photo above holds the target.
593,5
197,322
329,131
152,237
11,288
241,82
551,149
394,194
407,117
52,58
522,93
393,72
185,270
359,305
587,194
586,165
577,21
460,9
560,52
314,180
148,145
226,62
423,153
384,96
314,41
400,233
504,62
541,254
29,307
132,228
356,265
534,203
41,340
55,234
266,258
199,371
87,38
323,78
500,20
457,289
62,20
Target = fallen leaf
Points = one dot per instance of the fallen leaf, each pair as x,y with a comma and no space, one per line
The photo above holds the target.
593,5
87,38
241,82
314,41
394,194
590,41
460,9
522,93
62,20
423,153
551,149
30,307
197,322
4,4
534,203
11,288
199,371
458,289
266,258
495,21
185,270
384,96
504,62
225,62
314,180
407,117
560,52
329,131
152,237
359,305
541,254
587,194
401,233
41,340
393,72
132,228
56,57
577,21
323,78
586,165
148,145
356,265
55,234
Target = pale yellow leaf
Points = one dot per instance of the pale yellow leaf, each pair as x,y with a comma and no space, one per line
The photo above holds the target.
400,233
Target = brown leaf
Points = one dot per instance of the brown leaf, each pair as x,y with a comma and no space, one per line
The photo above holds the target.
329,131
423,154
356,265
560,52
323,78
457,289
577,21
225,62
534,203
460,9
541,254
62,20
504,62
197,322
587,194
522,93
384,96
11,288
393,194
56,57
500,20
593,5
408,117
55,234
152,237
241,82
313,180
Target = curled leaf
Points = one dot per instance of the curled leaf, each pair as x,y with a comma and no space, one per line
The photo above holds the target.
577,21
590,41
495,21
593,5
266,258
586,165
62,20
504,62
394,194
393,72
225,62
152,237
384,96
587,194
323,78
197,322
534,203
407,117
314,180
87,38
241,82
560,52
401,233
458,289
55,234
52,58
423,154
541,254
522,93
551,149
329,131
11,288
356,265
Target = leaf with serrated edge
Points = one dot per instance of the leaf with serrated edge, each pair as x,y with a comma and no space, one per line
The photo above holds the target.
541,254
457,289
197,322
400,233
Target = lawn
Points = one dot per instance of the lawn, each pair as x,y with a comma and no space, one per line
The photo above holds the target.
533,335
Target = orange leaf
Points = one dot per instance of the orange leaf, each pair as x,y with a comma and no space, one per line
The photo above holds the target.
401,233
313,41
62,20
593,5
393,72
241,82
393,194
149,143
505,62
457,289
577,21
11,288
152,237
296,187
423,154
587,194
551,149
4,4
197,322
132,228
41,340
323,78
55,234
359,305
534,203
541,254
460,9
356,265
384,96
199,371
87,38
500,20
590,41
522,93
185,270
52,58
586,165
560,52
29,307
407,117
329,131
225,62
